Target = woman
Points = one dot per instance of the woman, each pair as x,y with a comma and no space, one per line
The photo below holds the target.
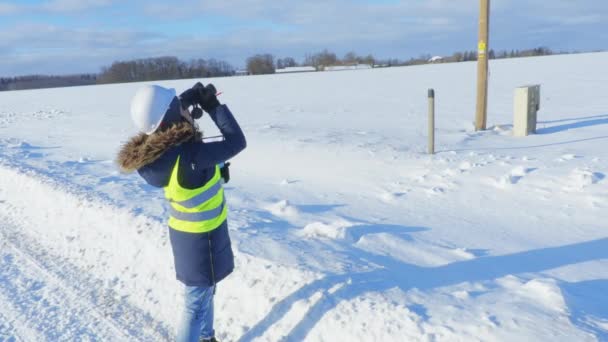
169,153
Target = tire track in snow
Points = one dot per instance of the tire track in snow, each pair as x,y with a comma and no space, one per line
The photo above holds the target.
43,302
54,299
28,273
8,331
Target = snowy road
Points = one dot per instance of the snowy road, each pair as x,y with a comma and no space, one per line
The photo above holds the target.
44,297
44,305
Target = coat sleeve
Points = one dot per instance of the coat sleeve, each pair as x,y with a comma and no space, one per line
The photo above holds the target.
213,153
158,173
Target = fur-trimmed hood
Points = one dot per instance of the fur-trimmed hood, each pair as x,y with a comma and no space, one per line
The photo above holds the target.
143,149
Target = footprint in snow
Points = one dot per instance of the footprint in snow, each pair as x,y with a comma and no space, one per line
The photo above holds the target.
436,191
391,196
23,145
568,157
579,179
514,176
282,209
465,166
450,172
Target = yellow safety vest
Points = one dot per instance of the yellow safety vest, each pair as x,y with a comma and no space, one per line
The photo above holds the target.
196,210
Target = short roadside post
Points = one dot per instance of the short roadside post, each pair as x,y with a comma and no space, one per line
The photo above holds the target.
525,108
431,121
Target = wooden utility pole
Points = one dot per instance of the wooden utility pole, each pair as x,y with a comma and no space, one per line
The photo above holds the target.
482,65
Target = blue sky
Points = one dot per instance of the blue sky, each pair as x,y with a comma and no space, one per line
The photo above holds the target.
73,36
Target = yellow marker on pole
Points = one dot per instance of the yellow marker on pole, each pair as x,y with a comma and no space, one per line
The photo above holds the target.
481,48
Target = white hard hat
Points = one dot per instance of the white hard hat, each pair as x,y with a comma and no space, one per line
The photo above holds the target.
149,106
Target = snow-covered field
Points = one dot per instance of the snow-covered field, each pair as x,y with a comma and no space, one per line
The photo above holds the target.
343,228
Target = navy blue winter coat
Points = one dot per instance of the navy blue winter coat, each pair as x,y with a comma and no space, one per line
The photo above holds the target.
201,259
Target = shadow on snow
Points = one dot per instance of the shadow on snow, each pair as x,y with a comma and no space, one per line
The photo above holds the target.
583,298
572,123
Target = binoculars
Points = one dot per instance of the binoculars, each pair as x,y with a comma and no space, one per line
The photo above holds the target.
195,97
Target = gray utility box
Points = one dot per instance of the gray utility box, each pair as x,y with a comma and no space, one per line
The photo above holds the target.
525,108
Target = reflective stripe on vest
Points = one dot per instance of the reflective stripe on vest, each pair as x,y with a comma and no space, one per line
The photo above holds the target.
198,210
200,216
200,198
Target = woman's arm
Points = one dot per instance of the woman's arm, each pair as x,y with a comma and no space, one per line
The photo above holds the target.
211,154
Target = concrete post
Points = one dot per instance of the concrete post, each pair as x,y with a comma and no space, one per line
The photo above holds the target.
525,107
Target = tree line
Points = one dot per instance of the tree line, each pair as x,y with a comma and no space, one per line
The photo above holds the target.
137,70
163,68
492,54
45,81
266,64
170,67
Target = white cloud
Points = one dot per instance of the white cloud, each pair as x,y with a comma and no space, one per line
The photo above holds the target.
73,5
44,36
50,49
53,6
387,29
579,19
317,24
8,8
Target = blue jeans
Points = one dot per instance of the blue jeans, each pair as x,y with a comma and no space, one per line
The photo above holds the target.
197,319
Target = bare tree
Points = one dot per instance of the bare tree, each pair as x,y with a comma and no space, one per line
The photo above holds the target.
287,62
261,64
350,58
369,59
321,59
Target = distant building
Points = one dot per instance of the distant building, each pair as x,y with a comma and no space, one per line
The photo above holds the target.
295,69
347,67
241,72
436,59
